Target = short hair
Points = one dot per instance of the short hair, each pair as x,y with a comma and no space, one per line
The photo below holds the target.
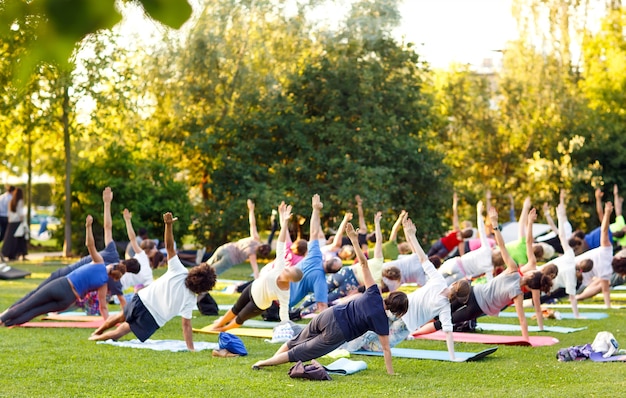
328,265
467,233
436,260
397,302
302,246
404,248
538,251
619,265
201,279
132,265
585,265
147,245
264,250
497,259
550,269
392,273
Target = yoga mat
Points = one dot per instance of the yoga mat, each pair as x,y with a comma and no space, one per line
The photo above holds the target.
597,357
74,316
431,354
503,327
564,315
483,338
52,324
255,323
14,273
162,345
585,306
345,366
249,332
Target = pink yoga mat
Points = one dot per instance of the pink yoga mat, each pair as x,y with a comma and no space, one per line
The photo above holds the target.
87,325
535,341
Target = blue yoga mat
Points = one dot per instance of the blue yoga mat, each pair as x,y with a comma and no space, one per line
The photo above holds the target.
564,315
503,327
431,354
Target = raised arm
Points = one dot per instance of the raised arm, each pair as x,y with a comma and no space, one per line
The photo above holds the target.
393,235
285,213
548,217
90,243
561,216
455,212
599,194
480,222
316,232
107,198
378,248
508,260
359,209
337,240
409,234
532,260
617,201
254,234
131,231
168,237
604,227
368,279
523,218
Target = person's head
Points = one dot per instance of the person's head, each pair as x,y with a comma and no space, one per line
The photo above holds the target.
404,248
148,246
371,237
436,261
392,273
585,265
300,247
200,279
346,252
332,265
467,233
577,244
459,291
116,271
264,250
397,303
537,281
496,258
156,260
551,270
580,234
619,262
548,251
292,274
538,251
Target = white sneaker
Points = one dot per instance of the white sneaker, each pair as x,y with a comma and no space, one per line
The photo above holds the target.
4,267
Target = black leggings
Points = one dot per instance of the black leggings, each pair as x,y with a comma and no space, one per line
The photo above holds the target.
54,296
245,308
469,311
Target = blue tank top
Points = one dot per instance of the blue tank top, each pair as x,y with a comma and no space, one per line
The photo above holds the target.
89,277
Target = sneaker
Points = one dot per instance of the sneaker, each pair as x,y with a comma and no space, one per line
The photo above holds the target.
4,267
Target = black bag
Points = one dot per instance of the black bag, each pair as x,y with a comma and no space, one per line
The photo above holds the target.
207,304
272,314
312,371
465,326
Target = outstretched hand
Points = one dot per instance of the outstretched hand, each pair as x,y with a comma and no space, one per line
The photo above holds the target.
532,216
88,220
168,218
378,216
250,204
348,216
608,207
316,203
560,210
480,207
493,217
351,232
409,227
107,195
127,215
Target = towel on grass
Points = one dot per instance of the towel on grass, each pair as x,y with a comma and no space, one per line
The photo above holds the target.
163,345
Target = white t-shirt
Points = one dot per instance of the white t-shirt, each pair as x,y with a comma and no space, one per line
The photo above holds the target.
411,271
143,277
264,289
429,301
168,296
602,257
566,277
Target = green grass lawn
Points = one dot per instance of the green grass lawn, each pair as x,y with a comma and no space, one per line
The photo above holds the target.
63,363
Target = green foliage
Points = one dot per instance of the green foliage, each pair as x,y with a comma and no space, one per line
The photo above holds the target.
147,187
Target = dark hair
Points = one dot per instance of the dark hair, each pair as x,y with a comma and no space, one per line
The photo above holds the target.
392,273
467,233
585,265
147,244
328,263
17,196
436,260
132,265
156,260
201,279
461,292
263,250
538,251
579,234
619,265
397,303
143,233
539,281
550,269
117,271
